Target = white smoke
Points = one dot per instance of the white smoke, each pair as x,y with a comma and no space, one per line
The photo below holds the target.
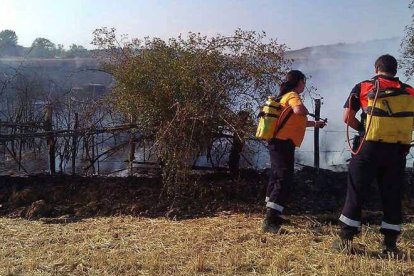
334,70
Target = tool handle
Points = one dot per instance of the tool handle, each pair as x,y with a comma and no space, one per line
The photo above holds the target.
313,115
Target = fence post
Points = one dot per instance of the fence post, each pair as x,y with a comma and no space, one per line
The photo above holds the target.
237,143
74,144
131,156
2,148
316,134
97,154
93,154
50,139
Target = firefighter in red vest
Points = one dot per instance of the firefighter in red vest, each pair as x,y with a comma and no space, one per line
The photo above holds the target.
386,124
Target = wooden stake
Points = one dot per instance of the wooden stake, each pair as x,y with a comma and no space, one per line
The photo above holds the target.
131,156
93,154
316,133
74,144
131,153
50,139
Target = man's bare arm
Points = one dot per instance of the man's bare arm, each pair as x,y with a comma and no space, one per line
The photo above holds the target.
349,118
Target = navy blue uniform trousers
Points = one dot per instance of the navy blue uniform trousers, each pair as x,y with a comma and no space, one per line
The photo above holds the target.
282,158
384,162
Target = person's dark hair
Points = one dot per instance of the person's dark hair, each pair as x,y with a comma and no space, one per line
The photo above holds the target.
292,80
386,64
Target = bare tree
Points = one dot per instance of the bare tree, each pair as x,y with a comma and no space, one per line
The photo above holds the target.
407,47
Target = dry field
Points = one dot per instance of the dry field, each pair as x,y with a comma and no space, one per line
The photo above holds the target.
229,244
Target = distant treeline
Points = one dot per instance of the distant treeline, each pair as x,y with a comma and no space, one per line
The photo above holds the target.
40,48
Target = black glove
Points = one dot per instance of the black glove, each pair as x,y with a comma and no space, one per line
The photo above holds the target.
355,142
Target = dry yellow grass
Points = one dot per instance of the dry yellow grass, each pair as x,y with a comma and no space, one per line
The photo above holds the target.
229,244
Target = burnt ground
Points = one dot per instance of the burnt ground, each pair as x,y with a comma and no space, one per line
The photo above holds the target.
315,193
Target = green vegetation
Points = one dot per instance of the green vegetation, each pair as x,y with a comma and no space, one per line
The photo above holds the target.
40,48
187,91
8,43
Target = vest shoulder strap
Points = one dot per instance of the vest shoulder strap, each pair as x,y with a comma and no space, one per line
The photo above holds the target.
285,119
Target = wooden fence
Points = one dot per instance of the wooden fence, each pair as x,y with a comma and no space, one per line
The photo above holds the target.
13,137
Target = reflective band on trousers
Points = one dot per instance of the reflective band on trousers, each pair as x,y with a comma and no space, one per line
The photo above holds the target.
275,206
267,199
395,227
350,222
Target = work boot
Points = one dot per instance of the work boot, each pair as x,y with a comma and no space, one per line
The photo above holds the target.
344,242
342,245
389,245
272,221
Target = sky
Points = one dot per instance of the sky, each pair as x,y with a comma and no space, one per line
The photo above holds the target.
296,23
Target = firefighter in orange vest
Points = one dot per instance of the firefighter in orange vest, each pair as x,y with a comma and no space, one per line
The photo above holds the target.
386,123
282,149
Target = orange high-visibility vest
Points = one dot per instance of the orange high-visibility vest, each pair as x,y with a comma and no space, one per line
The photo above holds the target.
295,127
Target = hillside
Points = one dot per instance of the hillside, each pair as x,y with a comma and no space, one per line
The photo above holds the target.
346,50
65,73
